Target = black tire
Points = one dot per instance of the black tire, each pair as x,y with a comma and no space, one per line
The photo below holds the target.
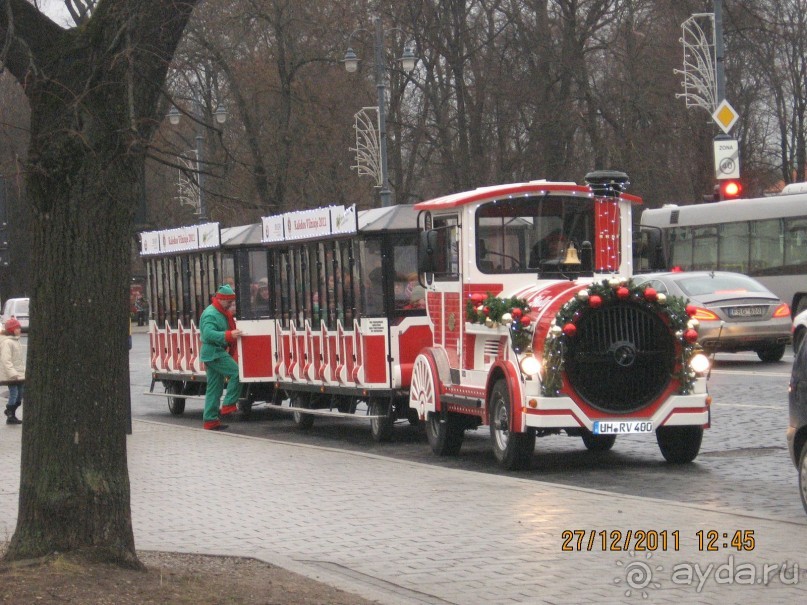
245,407
679,444
798,338
412,416
803,477
513,451
381,428
597,443
176,405
445,437
771,354
303,421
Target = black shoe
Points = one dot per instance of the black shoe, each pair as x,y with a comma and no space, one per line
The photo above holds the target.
13,420
6,411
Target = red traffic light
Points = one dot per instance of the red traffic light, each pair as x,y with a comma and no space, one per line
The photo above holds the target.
730,189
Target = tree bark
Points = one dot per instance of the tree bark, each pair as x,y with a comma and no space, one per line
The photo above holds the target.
93,93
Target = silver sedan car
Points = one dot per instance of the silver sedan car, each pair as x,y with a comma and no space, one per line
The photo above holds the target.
736,312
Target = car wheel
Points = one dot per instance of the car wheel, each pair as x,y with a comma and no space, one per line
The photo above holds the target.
803,477
771,354
798,338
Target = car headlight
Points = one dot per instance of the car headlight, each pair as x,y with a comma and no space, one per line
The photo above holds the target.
530,366
699,363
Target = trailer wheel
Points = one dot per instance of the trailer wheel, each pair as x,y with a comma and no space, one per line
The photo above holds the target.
679,444
381,428
412,416
176,405
512,450
445,436
597,443
245,407
302,420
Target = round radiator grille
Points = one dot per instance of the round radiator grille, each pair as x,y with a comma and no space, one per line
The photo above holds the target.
621,358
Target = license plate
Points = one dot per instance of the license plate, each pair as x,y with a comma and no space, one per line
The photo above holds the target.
621,427
757,311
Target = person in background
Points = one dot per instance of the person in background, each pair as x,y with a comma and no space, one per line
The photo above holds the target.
549,248
141,307
219,336
262,301
12,368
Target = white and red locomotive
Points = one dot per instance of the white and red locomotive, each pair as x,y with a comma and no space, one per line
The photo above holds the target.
508,306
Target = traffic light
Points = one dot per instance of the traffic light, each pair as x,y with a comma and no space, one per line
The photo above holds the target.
728,189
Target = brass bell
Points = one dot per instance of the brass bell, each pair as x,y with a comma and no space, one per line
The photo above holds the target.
571,255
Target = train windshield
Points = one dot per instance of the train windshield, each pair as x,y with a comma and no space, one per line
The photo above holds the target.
527,234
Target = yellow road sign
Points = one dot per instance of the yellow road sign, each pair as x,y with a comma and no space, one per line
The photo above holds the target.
725,116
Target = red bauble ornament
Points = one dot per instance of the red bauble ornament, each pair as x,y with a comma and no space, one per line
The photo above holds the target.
486,310
525,321
650,294
595,301
691,310
622,293
477,298
690,335
570,329
516,313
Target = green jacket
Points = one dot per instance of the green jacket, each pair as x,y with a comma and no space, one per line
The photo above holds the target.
213,327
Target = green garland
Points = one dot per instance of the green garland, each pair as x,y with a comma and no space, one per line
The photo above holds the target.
492,312
671,309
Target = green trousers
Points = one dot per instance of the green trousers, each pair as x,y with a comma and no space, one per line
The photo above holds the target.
217,370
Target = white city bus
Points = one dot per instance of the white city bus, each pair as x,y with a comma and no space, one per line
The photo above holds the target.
765,238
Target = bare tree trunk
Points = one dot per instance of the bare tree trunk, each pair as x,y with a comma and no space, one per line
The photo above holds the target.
94,95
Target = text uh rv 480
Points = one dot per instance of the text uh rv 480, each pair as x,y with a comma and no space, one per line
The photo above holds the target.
507,306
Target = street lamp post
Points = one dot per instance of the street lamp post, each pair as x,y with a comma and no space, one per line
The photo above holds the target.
408,61
221,116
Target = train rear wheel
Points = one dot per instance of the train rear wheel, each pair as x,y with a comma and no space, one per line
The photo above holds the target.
302,420
176,405
381,428
445,435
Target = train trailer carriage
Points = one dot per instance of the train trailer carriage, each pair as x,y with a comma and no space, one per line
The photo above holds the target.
507,306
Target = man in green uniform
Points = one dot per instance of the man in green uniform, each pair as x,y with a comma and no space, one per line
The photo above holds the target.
218,331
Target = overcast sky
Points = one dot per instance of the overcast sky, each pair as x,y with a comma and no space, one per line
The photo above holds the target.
56,10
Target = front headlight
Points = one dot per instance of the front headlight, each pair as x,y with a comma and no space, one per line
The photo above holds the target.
699,363
529,365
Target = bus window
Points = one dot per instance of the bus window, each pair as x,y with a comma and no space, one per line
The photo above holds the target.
796,242
681,248
704,248
767,251
732,247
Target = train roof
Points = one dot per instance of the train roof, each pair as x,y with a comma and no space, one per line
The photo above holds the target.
243,235
391,218
541,187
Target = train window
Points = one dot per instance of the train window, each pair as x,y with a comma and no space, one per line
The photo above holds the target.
522,235
408,292
372,273
447,254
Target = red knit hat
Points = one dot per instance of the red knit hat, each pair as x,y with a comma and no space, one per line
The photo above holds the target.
225,292
11,325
